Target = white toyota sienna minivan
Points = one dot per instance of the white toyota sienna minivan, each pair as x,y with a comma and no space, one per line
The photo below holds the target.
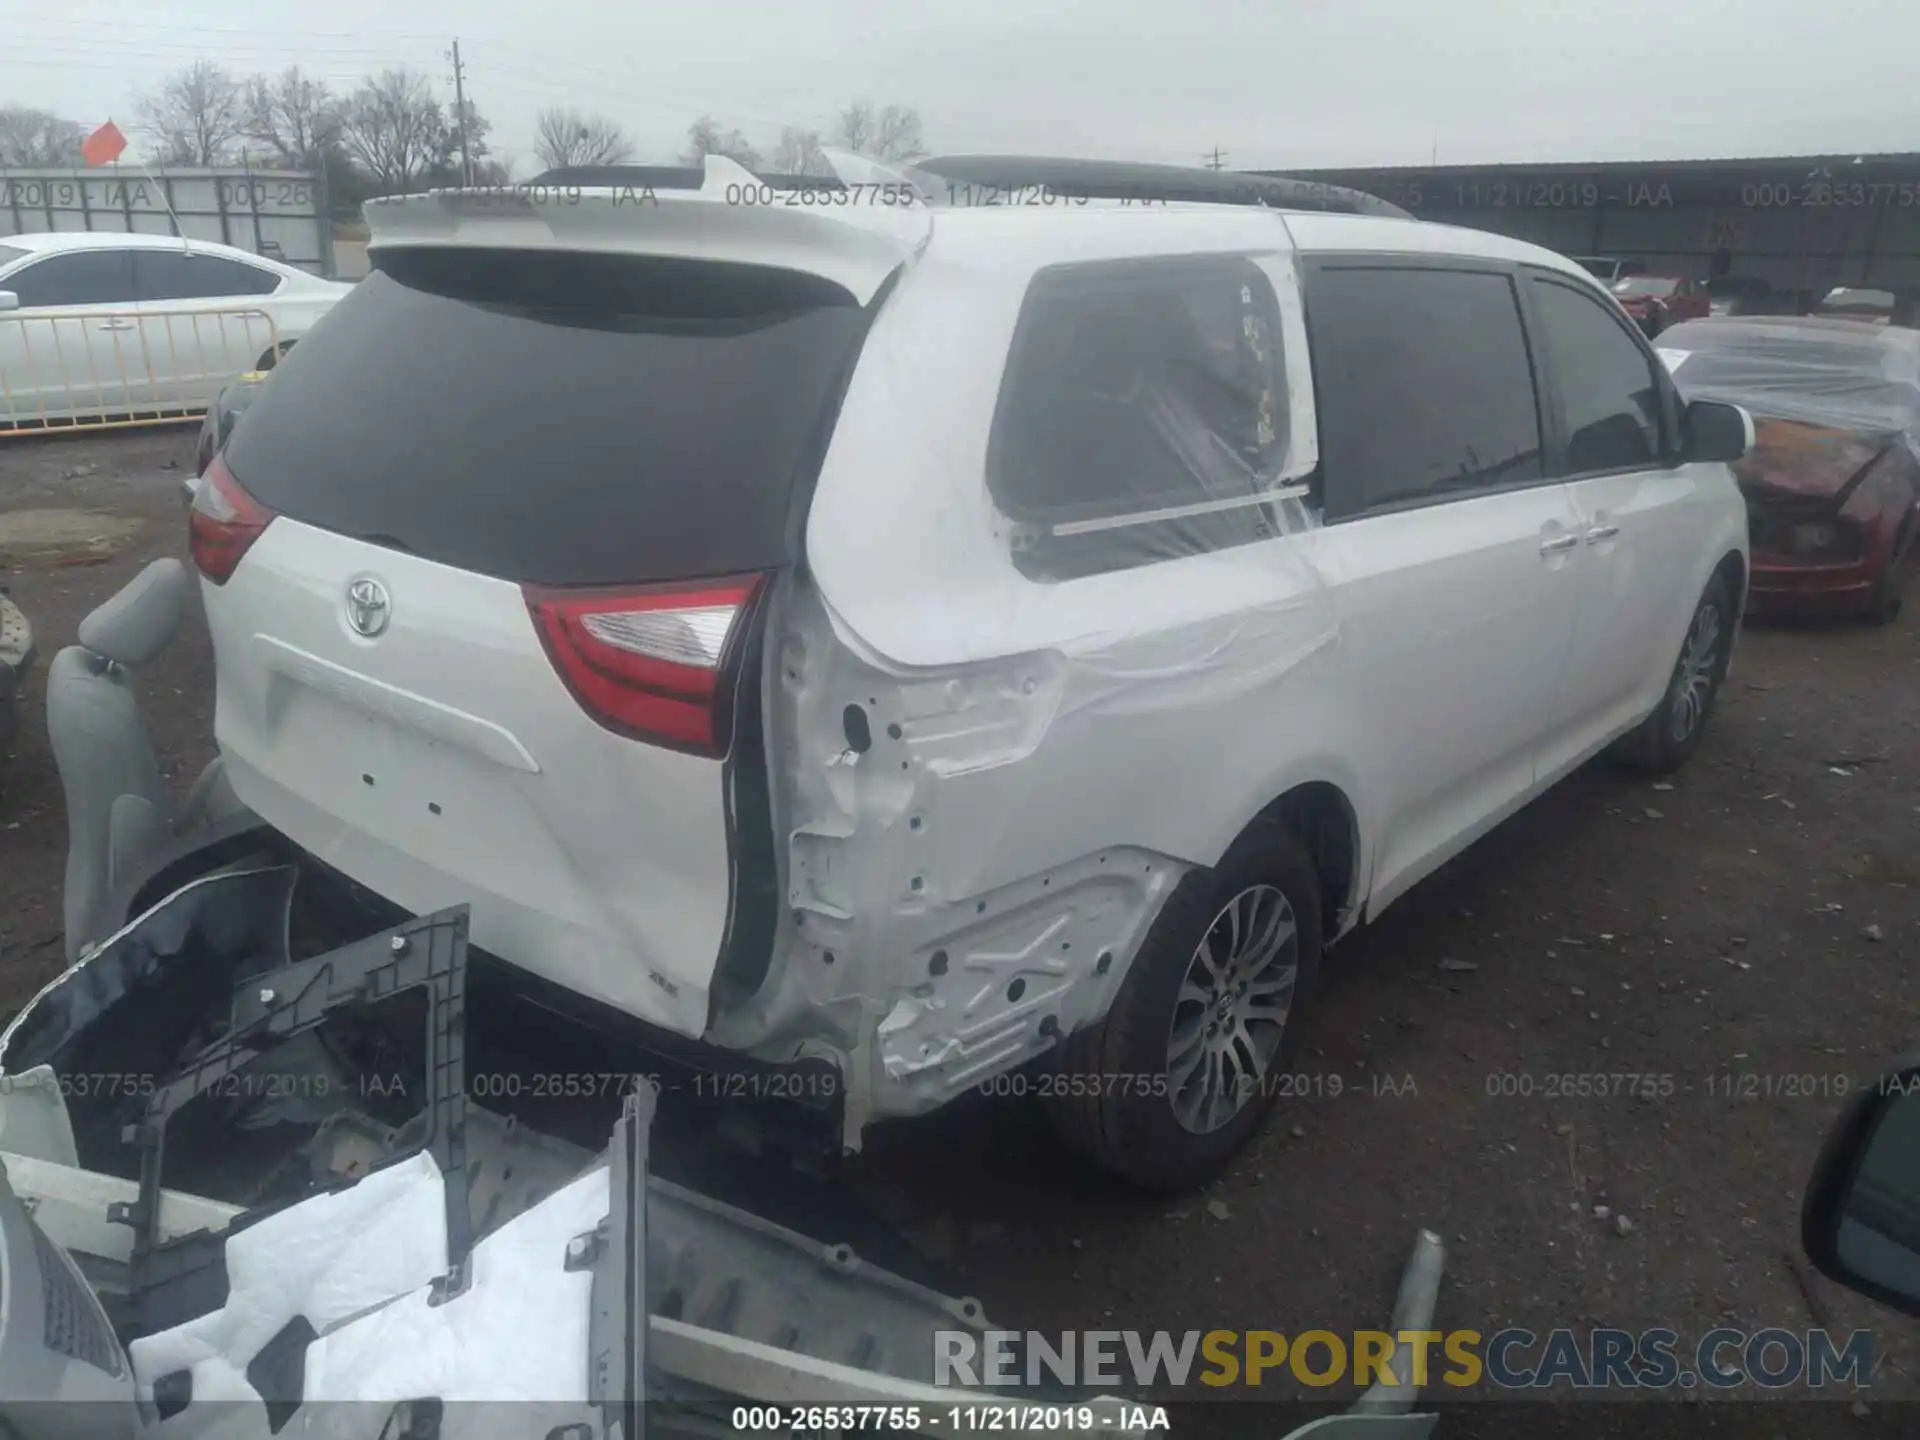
931,637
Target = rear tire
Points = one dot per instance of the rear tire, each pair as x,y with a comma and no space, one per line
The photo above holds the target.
1178,1075
1665,739
1888,595
270,358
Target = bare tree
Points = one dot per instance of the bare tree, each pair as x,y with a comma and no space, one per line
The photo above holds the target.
295,116
566,137
798,153
705,137
196,116
31,138
891,133
447,168
394,129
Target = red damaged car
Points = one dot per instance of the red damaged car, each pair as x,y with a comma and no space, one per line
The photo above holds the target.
1833,480
1657,301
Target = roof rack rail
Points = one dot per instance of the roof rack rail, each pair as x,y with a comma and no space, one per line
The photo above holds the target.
662,177
962,175
1127,180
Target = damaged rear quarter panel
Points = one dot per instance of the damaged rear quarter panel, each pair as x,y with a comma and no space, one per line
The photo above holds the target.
977,834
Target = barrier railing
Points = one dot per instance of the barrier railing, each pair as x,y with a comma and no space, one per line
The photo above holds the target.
112,369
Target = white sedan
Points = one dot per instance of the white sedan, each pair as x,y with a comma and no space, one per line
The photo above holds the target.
97,325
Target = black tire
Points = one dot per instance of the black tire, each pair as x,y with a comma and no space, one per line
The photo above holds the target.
270,358
1123,1116
1666,738
1888,596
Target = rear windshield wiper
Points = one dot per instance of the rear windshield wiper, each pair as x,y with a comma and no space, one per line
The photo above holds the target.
387,542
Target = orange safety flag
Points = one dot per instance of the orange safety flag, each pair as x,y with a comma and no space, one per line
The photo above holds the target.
104,145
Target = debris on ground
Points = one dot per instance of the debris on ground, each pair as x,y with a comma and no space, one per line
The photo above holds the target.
1459,966
1217,1209
62,536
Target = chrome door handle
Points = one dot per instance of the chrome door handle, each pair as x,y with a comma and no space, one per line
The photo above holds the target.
1558,544
1602,532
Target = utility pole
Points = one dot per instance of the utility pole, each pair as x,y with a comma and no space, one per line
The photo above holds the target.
460,116
1215,159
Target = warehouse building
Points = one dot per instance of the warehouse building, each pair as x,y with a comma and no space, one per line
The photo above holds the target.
1791,227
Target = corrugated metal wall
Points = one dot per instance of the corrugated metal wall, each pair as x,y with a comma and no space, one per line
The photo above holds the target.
1801,223
273,213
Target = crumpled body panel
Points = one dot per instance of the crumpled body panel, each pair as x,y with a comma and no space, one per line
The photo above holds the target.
986,778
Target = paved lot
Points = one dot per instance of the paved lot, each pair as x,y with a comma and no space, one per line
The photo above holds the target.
1753,932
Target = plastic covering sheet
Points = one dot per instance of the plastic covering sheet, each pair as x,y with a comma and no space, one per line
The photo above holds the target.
1840,373
1108,448
1150,412
327,1259
517,1332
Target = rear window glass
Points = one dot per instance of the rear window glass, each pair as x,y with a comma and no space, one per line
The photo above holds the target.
558,419
1657,286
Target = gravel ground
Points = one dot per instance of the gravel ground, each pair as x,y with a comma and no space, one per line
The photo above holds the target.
1751,931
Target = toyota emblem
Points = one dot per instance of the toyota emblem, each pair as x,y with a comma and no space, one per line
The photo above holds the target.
368,607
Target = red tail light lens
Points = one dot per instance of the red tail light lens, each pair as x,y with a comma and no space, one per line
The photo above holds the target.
224,522
654,664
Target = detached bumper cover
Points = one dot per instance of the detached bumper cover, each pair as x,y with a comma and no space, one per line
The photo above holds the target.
462,1258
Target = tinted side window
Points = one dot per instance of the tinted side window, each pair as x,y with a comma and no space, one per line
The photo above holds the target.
1422,384
173,275
1136,388
1606,383
83,277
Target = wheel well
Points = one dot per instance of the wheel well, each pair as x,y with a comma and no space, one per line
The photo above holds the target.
1321,818
271,355
1735,569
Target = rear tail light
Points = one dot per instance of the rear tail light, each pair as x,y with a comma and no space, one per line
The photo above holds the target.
224,522
656,663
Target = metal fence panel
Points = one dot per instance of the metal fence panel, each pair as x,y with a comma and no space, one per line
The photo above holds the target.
102,369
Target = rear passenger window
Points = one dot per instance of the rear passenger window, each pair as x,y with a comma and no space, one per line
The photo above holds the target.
1606,382
1143,414
182,275
1422,384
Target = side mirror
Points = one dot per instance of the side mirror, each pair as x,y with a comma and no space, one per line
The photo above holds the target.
1717,431
1860,1224
9,300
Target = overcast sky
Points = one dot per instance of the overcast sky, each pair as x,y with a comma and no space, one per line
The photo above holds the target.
1292,83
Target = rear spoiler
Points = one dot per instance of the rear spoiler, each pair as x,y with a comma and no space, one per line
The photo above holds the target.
733,217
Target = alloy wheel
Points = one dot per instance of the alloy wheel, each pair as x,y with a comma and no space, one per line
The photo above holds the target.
1695,675
1232,1008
